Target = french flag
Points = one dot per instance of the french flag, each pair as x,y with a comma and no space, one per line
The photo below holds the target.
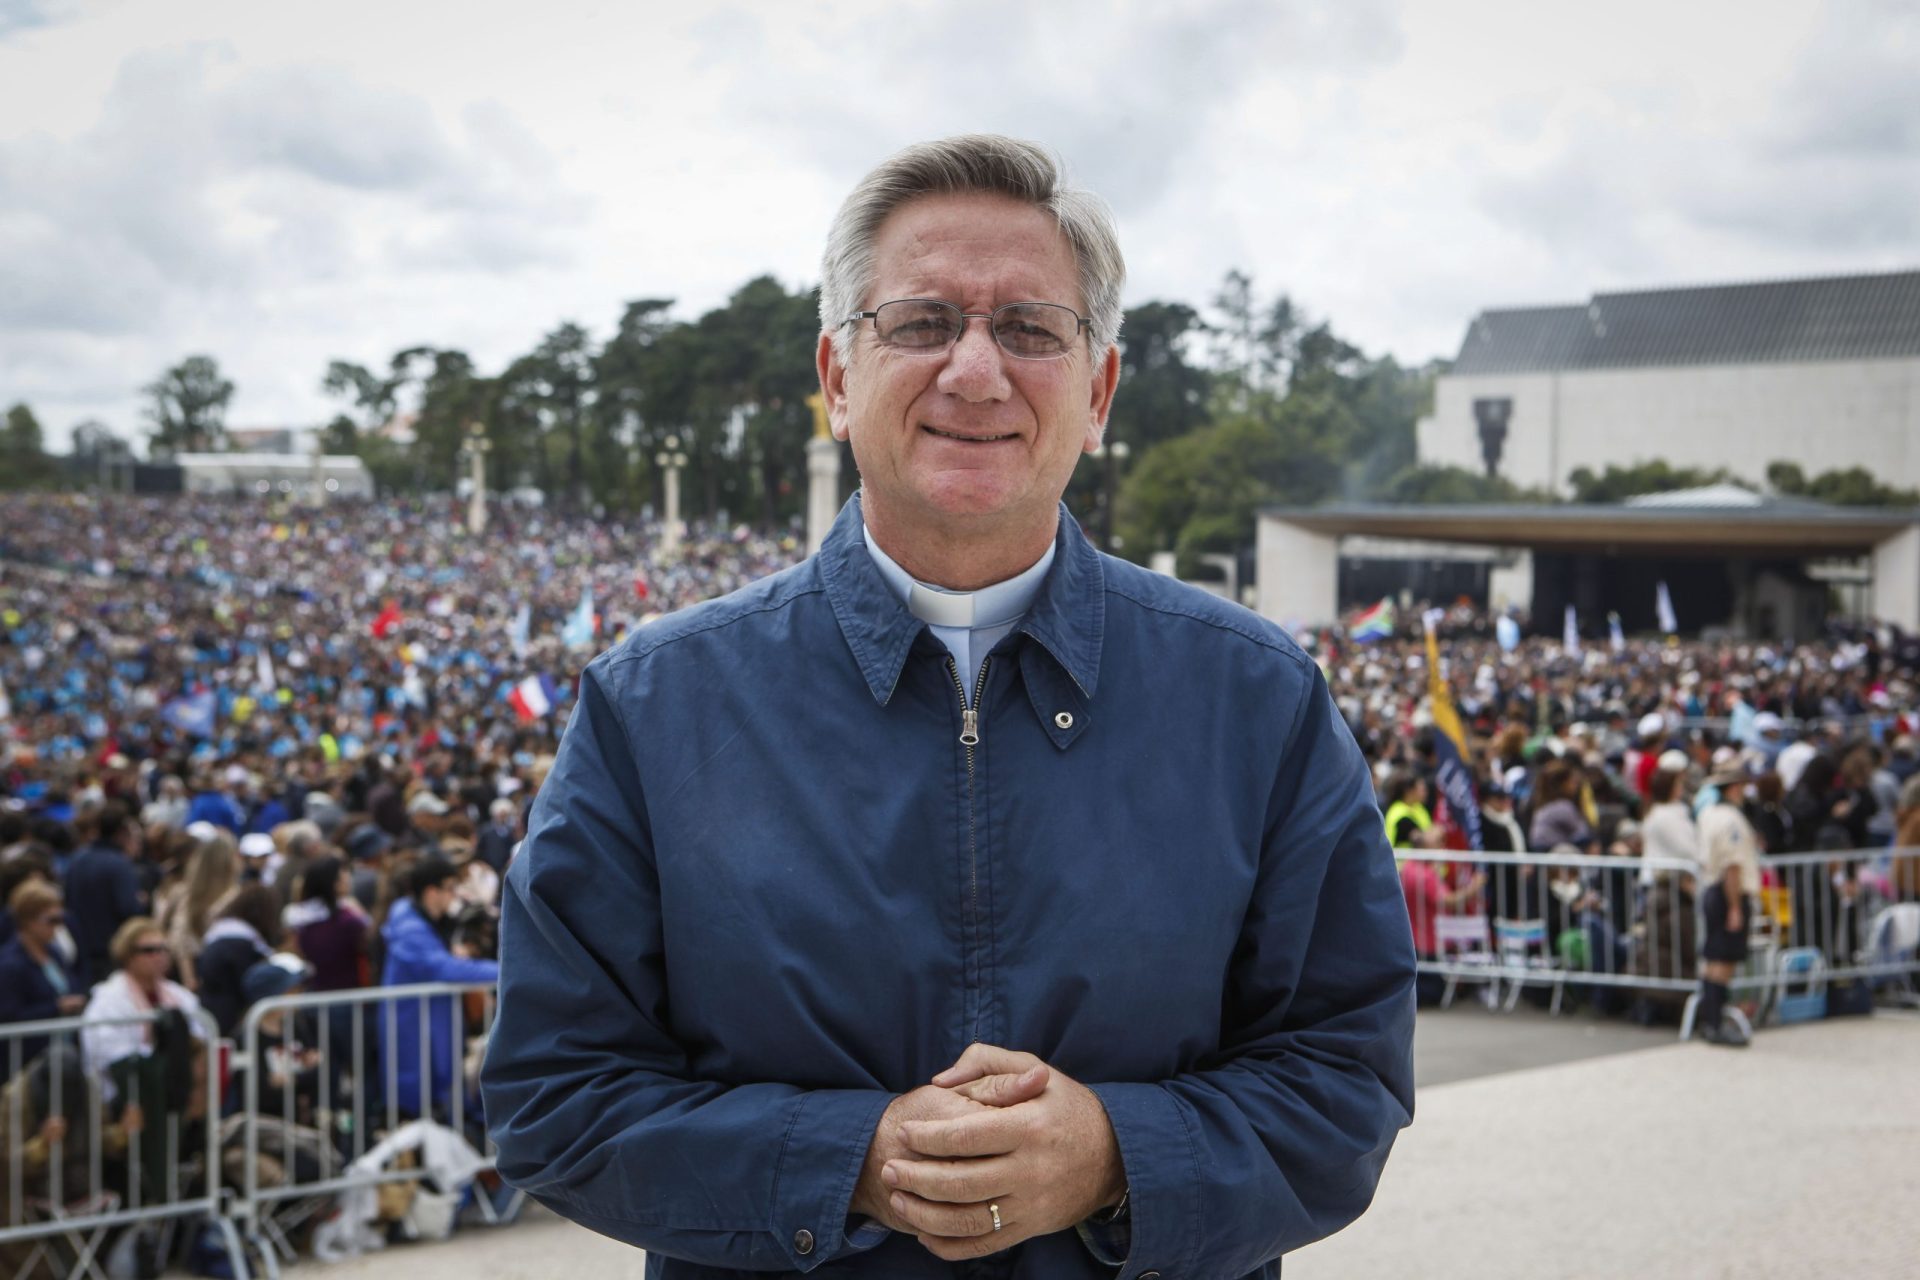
534,697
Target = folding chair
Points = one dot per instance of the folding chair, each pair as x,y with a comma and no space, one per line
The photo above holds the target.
1894,939
1463,941
1807,965
1522,944
86,1247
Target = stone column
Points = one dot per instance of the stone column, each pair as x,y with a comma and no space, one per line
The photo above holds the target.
823,476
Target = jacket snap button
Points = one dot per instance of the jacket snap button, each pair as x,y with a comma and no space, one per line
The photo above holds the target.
1064,720
803,1241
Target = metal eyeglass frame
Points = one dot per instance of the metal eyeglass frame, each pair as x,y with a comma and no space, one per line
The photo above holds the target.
1085,323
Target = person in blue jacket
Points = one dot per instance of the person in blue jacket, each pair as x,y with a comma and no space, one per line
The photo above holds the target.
37,982
961,893
415,952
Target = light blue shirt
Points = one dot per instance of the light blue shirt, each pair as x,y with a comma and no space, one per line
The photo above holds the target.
969,623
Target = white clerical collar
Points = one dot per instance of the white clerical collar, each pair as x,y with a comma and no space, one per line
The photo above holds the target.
991,606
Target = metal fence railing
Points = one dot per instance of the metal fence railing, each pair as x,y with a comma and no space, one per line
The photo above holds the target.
1818,922
111,1123
326,1080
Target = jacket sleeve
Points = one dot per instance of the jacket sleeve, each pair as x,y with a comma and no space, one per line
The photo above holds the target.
595,1107
419,950
1279,1138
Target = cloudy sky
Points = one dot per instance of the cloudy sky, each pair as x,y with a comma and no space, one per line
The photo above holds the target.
283,184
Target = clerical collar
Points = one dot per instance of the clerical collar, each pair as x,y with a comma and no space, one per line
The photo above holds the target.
997,605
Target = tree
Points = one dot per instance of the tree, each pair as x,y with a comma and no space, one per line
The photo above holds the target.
1455,485
24,463
1852,487
1616,484
188,413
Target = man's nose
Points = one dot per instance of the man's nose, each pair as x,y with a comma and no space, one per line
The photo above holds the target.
976,367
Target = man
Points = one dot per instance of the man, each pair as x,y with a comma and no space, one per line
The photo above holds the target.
416,953
498,837
103,888
1730,867
960,891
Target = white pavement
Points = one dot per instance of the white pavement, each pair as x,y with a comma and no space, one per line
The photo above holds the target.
1797,1158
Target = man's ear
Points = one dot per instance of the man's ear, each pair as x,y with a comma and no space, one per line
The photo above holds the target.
833,385
1100,402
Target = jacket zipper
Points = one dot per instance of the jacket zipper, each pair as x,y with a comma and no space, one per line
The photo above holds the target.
970,738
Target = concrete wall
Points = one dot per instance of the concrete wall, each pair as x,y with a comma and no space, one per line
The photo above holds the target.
1896,580
1299,574
1827,415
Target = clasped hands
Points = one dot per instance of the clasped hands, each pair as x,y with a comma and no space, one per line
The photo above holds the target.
999,1130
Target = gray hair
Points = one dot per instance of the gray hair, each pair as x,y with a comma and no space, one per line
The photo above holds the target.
972,162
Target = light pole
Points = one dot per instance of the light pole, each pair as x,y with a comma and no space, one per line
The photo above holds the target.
671,460
319,498
1111,457
474,452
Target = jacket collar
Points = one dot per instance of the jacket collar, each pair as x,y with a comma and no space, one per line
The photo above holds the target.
1067,617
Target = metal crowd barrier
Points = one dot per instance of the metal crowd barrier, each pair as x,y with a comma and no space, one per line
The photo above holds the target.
379,1058
1818,921
78,1169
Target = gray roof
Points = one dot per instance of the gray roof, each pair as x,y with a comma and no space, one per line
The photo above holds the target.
1838,318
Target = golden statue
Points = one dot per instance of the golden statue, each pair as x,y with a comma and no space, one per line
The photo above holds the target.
822,429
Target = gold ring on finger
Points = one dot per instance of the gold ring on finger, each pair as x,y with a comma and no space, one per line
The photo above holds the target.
994,1209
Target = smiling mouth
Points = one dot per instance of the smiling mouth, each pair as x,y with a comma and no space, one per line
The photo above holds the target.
950,435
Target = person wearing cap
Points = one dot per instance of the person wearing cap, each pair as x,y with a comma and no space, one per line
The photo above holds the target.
961,891
291,1066
103,887
1644,756
1730,865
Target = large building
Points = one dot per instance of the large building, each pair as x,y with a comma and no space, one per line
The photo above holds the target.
1822,373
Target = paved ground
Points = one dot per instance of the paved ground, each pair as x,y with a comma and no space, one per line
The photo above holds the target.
1547,1148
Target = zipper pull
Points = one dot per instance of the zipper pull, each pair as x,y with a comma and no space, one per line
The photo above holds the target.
969,727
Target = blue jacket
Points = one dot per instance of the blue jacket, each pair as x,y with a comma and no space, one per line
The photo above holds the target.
102,890
27,996
416,954
766,888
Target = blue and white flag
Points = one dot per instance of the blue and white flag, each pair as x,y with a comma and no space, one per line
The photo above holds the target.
522,630
1615,636
192,713
1663,608
578,631
1570,634
1507,631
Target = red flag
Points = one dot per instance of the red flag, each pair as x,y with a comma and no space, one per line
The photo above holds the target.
640,588
389,619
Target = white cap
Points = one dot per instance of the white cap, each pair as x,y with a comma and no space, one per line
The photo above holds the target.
236,774
1767,722
256,844
1673,761
1651,723
202,830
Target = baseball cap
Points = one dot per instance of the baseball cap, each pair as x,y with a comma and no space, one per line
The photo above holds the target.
1652,723
256,844
1673,761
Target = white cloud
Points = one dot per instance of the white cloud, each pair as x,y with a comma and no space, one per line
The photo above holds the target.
283,184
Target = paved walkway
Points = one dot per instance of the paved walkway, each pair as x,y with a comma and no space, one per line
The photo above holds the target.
1796,1158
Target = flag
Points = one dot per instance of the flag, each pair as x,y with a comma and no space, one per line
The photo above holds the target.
1507,631
1663,609
1373,624
1570,635
577,633
1615,636
263,676
192,713
1453,780
640,588
534,697
522,630
6,705
389,619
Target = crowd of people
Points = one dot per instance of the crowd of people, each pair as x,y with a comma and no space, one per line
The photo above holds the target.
1701,765
250,749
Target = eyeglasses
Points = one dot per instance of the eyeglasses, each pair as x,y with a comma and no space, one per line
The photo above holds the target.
55,918
151,949
930,327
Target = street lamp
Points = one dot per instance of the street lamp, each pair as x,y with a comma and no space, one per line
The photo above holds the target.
1111,456
671,460
473,451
